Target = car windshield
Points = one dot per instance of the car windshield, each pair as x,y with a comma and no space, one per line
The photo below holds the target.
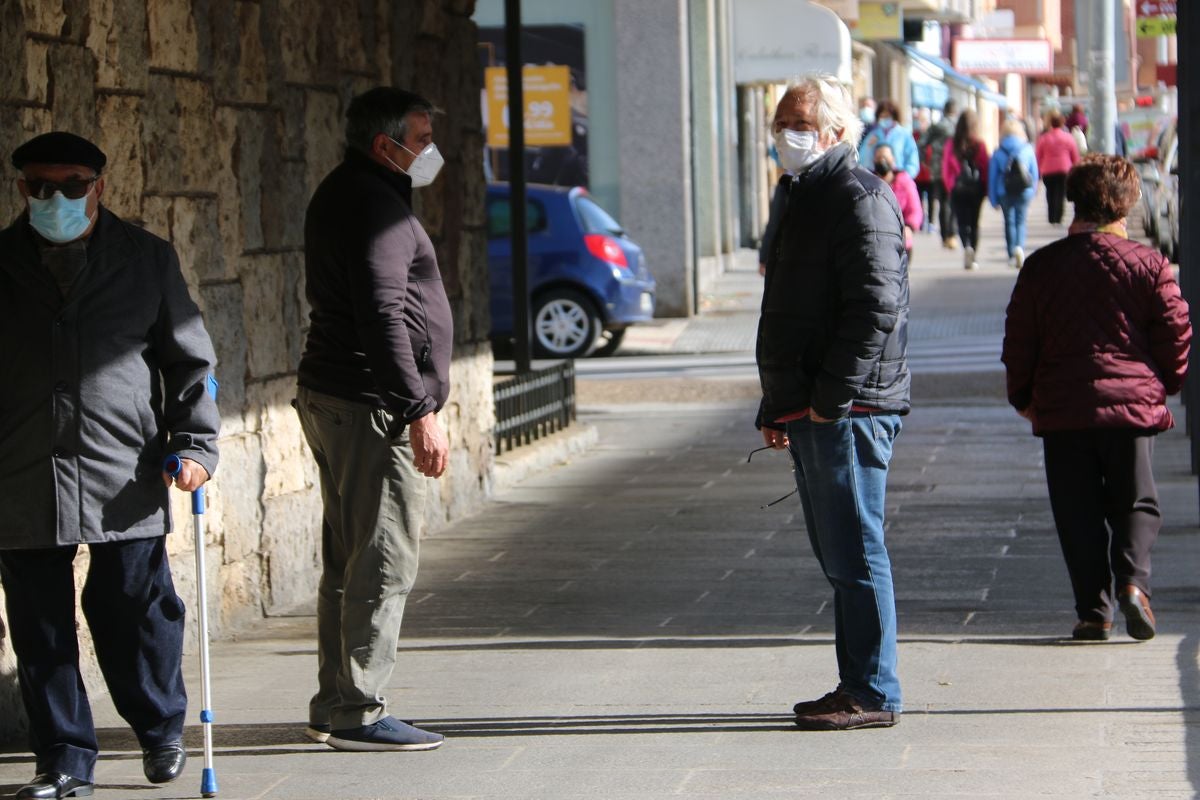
596,219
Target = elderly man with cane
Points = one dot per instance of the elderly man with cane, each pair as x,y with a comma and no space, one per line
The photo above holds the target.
108,370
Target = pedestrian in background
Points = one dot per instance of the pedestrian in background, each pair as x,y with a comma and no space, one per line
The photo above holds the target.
924,179
1096,338
374,374
1076,119
889,131
937,138
831,360
1012,183
108,370
965,172
905,190
1056,154
866,113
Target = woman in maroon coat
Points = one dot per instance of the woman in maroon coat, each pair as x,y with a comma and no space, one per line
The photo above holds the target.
1096,337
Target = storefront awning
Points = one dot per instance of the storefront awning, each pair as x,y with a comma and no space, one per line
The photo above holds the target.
776,40
940,69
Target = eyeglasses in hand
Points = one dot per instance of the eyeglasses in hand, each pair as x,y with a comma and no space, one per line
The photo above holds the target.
786,496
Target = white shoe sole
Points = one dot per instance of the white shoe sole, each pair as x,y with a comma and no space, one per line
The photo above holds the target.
352,746
320,737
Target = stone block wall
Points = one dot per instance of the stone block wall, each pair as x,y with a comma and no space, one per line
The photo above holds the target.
219,118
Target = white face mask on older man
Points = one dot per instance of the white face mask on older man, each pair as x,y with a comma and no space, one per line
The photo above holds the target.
798,150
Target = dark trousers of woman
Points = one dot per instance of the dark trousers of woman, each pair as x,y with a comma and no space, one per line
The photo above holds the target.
1106,510
136,620
1056,194
939,209
966,207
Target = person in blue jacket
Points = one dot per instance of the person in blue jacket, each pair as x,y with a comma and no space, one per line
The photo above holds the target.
1011,188
889,131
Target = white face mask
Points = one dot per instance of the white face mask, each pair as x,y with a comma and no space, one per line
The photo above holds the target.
798,150
425,166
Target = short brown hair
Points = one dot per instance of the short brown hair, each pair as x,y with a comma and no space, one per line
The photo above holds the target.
1103,188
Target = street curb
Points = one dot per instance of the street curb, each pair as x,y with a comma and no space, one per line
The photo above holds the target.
516,465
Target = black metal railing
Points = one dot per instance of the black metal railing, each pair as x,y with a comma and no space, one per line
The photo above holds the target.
534,404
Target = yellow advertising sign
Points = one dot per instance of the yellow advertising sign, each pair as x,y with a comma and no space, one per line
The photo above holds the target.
1150,27
547,105
879,22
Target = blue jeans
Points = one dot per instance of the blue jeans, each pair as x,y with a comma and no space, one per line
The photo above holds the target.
1014,222
841,472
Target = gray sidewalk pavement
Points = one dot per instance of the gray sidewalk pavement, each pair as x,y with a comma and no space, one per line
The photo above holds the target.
633,624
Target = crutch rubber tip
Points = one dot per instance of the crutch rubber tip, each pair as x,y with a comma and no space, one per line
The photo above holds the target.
208,782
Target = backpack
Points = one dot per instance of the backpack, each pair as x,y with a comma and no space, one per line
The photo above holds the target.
970,179
1016,176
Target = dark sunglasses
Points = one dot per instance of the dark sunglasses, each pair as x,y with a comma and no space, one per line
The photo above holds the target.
72,189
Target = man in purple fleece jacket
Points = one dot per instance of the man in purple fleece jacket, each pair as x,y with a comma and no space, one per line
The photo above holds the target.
375,373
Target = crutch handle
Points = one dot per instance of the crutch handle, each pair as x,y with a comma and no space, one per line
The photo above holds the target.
173,465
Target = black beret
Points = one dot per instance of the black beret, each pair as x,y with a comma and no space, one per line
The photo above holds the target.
59,147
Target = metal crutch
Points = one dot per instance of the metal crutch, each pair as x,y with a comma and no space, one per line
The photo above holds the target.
208,778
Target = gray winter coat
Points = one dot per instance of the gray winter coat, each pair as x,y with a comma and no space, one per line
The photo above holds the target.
97,388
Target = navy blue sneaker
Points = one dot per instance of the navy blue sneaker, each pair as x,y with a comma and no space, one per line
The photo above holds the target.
388,733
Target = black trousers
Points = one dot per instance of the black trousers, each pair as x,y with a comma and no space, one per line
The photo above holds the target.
940,209
1106,511
966,207
1056,194
136,620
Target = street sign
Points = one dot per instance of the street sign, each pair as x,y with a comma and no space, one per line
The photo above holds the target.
1150,27
547,105
1155,8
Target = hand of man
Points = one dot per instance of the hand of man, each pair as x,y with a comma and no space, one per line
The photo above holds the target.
431,448
772,438
190,478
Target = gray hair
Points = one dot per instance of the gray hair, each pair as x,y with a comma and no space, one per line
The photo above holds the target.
834,105
385,110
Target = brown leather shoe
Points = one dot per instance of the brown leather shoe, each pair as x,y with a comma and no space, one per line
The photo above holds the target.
1086,631
809,706
844,712
1139,619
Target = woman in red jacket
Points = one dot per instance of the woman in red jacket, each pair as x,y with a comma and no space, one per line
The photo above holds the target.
1056,153
1096,337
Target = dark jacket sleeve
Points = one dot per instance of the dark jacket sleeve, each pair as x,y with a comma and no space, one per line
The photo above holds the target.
1019,353
868,248
1170,331
186,361
378,294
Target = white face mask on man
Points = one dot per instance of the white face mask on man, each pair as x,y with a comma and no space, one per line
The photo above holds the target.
425,165
798,150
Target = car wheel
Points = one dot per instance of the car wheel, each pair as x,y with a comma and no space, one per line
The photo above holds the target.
565,325
609,342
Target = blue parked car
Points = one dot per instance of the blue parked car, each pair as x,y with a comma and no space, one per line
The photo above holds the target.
585,275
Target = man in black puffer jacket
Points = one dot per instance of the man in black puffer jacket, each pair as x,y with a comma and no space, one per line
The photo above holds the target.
831,360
